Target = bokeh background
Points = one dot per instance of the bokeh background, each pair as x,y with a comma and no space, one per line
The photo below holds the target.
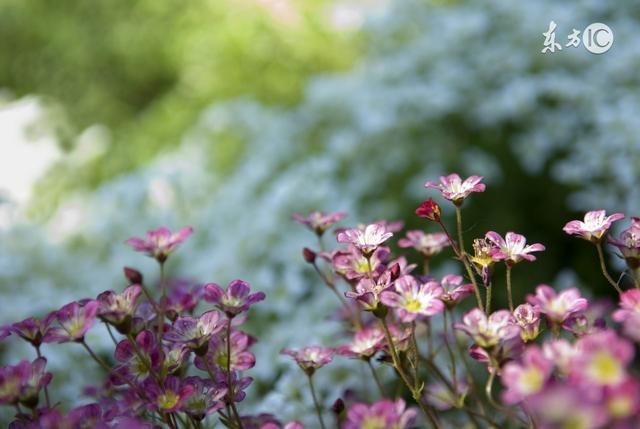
119,116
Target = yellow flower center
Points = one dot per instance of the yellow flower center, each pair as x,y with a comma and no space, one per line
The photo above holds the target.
412,305
620,407
373,423
168,400
605,369
531,381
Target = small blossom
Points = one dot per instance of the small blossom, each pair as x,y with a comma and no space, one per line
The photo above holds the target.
365,344
196,333
429,210
175,355
183,298
310,358
171,396
136,363
482,259
453,290
384,414
427,244
528,318
526,377
118,309
235,300
560,352
412,300
368,292
23,382
205,399
75,320
487,332
601,358
623,401
512,248
33,330
454,189
241,358
368,239
353,265
159,243
629,243
318,222
629,313
557,307
595,225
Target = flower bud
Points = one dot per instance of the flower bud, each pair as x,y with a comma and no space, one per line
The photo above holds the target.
338,406
134,276
309,255
429,210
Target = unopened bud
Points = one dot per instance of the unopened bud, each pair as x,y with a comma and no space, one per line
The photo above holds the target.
338,406
309,255
134,276
429,210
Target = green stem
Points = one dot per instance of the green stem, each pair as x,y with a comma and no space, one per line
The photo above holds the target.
398,366
509,295
488,390
315,401
375,377
113,338
452,357
488,297
230,392
425,266
603,268
162,304
464,259
46,390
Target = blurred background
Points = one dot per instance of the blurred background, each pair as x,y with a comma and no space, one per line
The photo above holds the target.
118,116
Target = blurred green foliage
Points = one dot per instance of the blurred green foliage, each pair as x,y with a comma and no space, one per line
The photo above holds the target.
145,69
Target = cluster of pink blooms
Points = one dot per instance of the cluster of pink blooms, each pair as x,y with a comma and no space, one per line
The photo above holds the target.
438,354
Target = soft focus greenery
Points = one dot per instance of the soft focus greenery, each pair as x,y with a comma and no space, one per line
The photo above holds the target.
145,70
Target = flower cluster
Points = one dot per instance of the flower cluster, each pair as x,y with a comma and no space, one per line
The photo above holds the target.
176,365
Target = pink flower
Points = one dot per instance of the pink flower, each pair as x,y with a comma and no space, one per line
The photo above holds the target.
75,320
367,239
318,222
384,414
241,358
558,307
205,399
159,243
623,400
629,243
453,289
33,330
368,292
528,318
196,333
513,248
365,344
310,358
595,225
487,332
171,396
118,309
427,244
561,352
352,264
526,377
233,301
412,300
601,359
23,382
136,363
440,396
454,189
629,313
429,210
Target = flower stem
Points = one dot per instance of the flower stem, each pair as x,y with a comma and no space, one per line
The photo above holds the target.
603,268
230,392
488,390
509,296
488,297
415,392
375,377
462,254
425,266
163,299
46,390
315,401
452,357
